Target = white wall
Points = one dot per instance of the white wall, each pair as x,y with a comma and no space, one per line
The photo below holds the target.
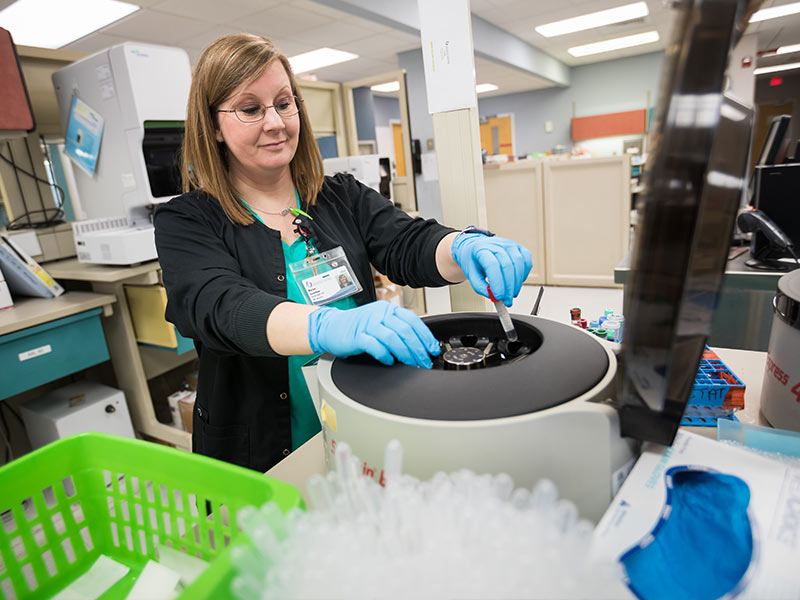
741,79
599,88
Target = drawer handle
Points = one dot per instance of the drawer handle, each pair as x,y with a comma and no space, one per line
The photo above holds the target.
110,408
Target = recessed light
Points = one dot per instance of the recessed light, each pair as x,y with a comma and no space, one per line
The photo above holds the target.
392,86
614,44
788,49
595,19
485,87
776,68
775,11
56,23
316,59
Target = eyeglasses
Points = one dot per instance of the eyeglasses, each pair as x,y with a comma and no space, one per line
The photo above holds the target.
253,112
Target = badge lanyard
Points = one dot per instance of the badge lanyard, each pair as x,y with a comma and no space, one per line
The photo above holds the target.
303,230
322,277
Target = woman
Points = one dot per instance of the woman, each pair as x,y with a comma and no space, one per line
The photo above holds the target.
241,279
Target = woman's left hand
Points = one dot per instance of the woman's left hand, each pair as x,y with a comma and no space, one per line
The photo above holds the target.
494,261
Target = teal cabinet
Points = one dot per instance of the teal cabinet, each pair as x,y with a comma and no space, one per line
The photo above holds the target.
43,353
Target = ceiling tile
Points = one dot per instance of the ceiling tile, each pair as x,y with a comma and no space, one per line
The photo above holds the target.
156,27
285,20
371,26
320,9
203,39
332,34
213,11
381,45
481,7
94,43
356,69
290,47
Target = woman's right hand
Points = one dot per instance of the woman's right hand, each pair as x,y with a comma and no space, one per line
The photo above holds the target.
385,331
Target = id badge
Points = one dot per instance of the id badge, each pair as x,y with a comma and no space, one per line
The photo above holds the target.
325,276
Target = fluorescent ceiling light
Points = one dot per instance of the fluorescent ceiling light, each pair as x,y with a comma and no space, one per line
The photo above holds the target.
392,86
788,49
776,68
321,57
775,11
485,87
56,23
615,44
596,19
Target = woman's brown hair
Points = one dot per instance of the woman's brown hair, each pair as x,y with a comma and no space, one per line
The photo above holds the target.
223,66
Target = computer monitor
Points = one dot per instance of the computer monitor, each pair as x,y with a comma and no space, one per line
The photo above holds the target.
696,171
777,195
776,145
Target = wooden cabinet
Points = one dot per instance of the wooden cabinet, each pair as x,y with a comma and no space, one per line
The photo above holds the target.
573,215
587,206
514,208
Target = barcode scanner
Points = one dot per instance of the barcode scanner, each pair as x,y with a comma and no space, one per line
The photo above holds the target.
756,221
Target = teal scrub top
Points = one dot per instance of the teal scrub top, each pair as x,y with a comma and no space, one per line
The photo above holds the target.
304,420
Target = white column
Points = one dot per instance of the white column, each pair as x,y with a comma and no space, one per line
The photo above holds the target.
446,32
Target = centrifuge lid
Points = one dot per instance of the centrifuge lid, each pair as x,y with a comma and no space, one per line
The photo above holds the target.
567,363
696,170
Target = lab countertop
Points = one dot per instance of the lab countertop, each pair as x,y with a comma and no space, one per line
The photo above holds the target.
737,274
28,312
71,268
747,364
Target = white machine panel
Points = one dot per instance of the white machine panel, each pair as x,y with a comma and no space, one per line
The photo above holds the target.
76,408
141,91
365,168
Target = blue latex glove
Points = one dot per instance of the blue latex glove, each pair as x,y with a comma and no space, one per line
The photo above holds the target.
502,263
381,329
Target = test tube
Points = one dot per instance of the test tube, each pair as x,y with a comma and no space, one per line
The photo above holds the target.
505,318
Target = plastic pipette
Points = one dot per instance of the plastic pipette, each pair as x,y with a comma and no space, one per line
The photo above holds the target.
505,318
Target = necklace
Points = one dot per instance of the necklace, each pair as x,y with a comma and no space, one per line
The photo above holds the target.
283,213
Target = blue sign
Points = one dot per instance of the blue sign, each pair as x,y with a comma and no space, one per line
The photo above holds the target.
84,133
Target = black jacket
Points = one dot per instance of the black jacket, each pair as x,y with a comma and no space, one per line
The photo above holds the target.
224,279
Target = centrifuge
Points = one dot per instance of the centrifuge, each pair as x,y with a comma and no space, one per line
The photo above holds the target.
559,403
540,409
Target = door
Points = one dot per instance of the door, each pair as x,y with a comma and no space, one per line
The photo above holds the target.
399,156
323,104
403,185
497,135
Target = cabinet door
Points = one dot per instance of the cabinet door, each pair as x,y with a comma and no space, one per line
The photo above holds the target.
587,207
514,209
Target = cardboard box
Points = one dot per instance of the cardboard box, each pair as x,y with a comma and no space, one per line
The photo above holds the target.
174,401
186,409
386,290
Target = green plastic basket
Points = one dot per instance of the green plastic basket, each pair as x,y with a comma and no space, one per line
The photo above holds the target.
91,494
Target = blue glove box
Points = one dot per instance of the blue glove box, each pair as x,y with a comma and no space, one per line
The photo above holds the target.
45,352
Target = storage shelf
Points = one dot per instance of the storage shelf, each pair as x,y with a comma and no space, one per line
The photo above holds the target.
157,361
